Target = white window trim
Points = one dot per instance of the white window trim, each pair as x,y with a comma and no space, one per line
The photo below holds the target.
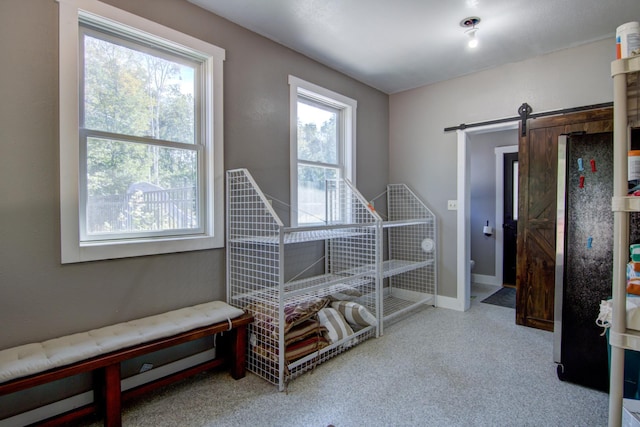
72,249
349,108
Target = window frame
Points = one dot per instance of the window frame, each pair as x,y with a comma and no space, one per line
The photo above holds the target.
346,125
211,197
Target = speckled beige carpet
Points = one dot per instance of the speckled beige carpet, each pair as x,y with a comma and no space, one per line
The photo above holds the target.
436,367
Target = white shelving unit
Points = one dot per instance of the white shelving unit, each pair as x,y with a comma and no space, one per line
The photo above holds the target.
626,115
261,252
409,276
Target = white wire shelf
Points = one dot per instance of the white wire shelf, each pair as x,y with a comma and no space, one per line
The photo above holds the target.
405,222
290,237
409,275
393,267
395,305
340,346
390,268
309,285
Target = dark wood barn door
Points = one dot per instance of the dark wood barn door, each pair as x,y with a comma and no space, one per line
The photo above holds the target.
538,162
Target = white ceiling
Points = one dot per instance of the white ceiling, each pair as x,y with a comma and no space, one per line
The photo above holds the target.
395,45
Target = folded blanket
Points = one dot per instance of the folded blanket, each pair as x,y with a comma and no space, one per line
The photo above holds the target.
294,351
266,315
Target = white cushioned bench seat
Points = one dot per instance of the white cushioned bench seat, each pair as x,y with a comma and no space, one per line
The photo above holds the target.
33,358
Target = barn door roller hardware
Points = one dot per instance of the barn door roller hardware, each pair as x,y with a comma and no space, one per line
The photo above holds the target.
524,113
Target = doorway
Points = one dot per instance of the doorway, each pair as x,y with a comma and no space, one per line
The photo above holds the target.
463,254
510,218
506,214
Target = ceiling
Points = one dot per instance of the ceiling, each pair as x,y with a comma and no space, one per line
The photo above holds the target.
395,45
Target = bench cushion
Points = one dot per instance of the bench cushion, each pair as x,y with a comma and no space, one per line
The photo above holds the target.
32,358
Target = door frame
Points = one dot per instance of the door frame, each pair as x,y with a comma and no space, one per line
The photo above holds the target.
499,230
463,239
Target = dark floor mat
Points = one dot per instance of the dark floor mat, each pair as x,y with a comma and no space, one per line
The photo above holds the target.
505,297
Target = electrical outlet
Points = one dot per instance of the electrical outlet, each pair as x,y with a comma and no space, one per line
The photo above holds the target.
452,205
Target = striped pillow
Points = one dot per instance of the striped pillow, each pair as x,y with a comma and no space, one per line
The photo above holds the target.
302,348
302,331
336,327
356,314
292,352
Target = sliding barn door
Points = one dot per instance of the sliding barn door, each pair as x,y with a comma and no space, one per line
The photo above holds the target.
538,162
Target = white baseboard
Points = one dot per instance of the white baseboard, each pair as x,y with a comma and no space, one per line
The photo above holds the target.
62,406
450,303
485,280
407,295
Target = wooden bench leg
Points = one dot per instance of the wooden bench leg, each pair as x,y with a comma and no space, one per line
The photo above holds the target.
108,395
238,348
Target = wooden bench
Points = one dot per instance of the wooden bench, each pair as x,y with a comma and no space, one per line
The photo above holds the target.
105,367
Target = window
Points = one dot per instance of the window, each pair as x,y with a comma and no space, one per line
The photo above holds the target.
140,136
322,148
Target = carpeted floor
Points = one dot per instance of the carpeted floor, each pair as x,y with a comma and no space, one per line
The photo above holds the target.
436,367
504,297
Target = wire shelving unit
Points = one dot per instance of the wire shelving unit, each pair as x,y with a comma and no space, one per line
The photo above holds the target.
261,254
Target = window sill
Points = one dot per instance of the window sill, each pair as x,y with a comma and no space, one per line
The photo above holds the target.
94,251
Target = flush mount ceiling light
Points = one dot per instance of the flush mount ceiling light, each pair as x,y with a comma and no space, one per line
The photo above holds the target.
470,24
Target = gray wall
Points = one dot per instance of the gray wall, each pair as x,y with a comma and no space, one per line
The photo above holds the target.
483,196
39,297
425,157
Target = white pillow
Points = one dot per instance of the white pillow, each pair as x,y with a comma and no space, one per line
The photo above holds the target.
342,292
355,313
337,327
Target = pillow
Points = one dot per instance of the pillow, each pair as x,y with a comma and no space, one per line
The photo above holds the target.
302,348
295,351
336,326
355,313
342,292
298,313
306,329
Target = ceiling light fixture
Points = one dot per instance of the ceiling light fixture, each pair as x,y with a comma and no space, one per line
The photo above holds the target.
470,24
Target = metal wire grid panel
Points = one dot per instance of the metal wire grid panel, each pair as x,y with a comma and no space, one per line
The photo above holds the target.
256,240
410,276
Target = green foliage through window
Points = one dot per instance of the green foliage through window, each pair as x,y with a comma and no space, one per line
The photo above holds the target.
138,127
318,158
